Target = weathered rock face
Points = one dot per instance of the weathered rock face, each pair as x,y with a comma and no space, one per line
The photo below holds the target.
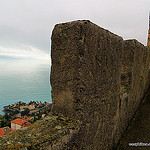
98,78
134,78
84,61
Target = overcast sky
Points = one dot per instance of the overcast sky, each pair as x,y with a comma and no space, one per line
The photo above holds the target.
26,25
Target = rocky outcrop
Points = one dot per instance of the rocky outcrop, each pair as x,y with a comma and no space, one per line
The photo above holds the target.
98,78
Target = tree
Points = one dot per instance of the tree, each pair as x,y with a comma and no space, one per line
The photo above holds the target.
1,116
25,112
4,123
6,116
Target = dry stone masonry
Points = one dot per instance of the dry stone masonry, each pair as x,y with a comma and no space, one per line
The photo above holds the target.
98,78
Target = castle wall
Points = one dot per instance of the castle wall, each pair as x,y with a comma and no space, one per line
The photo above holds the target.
98,78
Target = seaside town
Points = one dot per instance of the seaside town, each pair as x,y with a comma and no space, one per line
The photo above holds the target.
20,115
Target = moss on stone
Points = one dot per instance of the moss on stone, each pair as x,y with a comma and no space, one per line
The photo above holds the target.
41,134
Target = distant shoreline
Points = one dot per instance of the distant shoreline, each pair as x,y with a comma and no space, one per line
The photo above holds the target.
8,111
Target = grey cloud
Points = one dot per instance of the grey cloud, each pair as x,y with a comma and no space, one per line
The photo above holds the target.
30,22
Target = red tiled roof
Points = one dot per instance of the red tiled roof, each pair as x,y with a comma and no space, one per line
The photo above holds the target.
43,114
27,125
29,118
1,132
6,130
22,106
19,121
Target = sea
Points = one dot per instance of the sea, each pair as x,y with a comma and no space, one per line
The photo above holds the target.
24,80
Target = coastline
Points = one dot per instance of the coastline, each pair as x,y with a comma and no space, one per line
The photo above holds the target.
3,111
31,112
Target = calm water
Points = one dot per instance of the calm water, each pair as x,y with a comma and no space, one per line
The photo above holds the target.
24,80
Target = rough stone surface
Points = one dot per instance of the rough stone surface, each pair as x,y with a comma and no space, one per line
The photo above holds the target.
98,78
50,133
138,129
134,79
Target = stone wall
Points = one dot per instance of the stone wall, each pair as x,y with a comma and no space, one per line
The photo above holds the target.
98,78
